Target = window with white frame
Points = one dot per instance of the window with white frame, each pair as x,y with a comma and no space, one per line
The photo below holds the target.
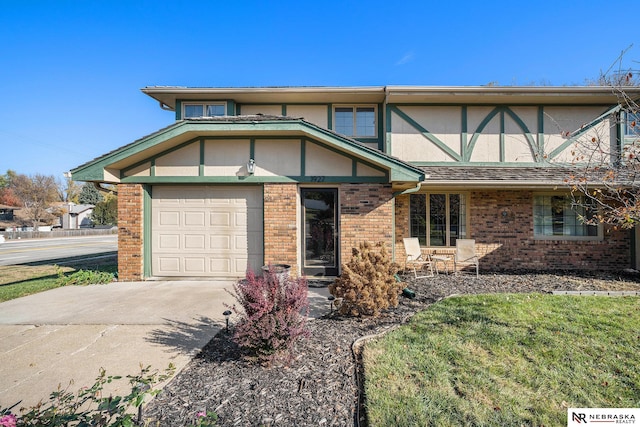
438,219
203,110
356,121
632,124
557,216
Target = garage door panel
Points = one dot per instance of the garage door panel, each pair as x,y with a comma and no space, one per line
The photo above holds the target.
167,218
194,219
208,231
220,219
194,265
219,265
219,242
169,241
194,241
169,265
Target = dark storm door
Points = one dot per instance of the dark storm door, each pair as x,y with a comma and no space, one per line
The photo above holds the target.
320,245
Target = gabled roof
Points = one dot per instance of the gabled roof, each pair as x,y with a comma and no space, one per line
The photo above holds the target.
246,126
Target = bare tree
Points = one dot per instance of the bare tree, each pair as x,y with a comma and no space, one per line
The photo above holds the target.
605,181
37,194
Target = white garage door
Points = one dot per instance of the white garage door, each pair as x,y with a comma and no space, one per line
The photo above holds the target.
206,231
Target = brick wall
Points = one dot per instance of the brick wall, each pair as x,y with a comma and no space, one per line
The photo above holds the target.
366,214
130,232
281,225
505,241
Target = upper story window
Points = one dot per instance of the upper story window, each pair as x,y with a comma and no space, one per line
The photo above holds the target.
558,217
356,121
203,110
632,124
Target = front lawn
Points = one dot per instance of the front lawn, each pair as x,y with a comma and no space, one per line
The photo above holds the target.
505,360
21,280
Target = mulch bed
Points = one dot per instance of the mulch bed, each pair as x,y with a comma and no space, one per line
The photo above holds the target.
320,387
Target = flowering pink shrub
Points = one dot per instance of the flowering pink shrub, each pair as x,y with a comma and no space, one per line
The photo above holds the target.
273,314
8,421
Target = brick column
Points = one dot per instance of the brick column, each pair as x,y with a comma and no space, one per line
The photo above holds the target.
281,225
130,232
366,214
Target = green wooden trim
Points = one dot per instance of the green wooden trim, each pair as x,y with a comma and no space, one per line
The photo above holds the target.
152,168
330,116
380,130
254,179
354,167
252,148
464,136
398,169
527,133
201,166
284,109
584,129
502,154
303,157
231,108
388,121
147,216
480,164
238,109
163,153
478,131
178,110
440,144
541,142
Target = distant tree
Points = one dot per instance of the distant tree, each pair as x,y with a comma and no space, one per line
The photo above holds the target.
106,211
69,190
37,194
89,194
606,180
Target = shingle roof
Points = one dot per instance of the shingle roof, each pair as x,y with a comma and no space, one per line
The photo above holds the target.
496,175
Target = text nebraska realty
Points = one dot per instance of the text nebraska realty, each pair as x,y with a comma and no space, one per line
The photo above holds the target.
621,418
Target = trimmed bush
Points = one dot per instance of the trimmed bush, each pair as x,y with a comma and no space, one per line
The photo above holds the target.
273,315
367,284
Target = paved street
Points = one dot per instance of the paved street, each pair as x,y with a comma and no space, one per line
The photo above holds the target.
15,252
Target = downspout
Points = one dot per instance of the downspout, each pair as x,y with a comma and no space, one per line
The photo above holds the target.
165,106
396,194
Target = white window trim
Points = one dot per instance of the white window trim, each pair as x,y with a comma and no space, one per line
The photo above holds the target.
598,237
355,106
203,105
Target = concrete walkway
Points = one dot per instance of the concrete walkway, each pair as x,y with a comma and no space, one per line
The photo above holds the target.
68,334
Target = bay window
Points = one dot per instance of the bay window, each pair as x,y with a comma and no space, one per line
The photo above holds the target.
438,219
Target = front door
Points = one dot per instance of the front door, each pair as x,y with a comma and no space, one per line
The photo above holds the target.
320,213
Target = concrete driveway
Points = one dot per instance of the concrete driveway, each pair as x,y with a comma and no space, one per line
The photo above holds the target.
68,334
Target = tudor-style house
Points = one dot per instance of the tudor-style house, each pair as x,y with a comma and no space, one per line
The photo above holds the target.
245,177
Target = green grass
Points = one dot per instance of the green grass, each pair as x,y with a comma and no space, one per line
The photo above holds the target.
505,360
19,281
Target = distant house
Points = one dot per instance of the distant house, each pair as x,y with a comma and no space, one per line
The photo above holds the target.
300,175
76,216
7,217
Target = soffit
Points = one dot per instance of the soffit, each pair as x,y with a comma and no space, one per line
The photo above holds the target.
269,95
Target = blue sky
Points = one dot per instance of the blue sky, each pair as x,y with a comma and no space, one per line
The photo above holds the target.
71,71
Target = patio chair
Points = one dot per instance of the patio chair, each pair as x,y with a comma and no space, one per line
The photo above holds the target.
465,254
415,258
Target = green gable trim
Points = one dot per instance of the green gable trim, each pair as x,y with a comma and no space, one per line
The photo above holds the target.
251,179
431,137
501,110
297,129
583,130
